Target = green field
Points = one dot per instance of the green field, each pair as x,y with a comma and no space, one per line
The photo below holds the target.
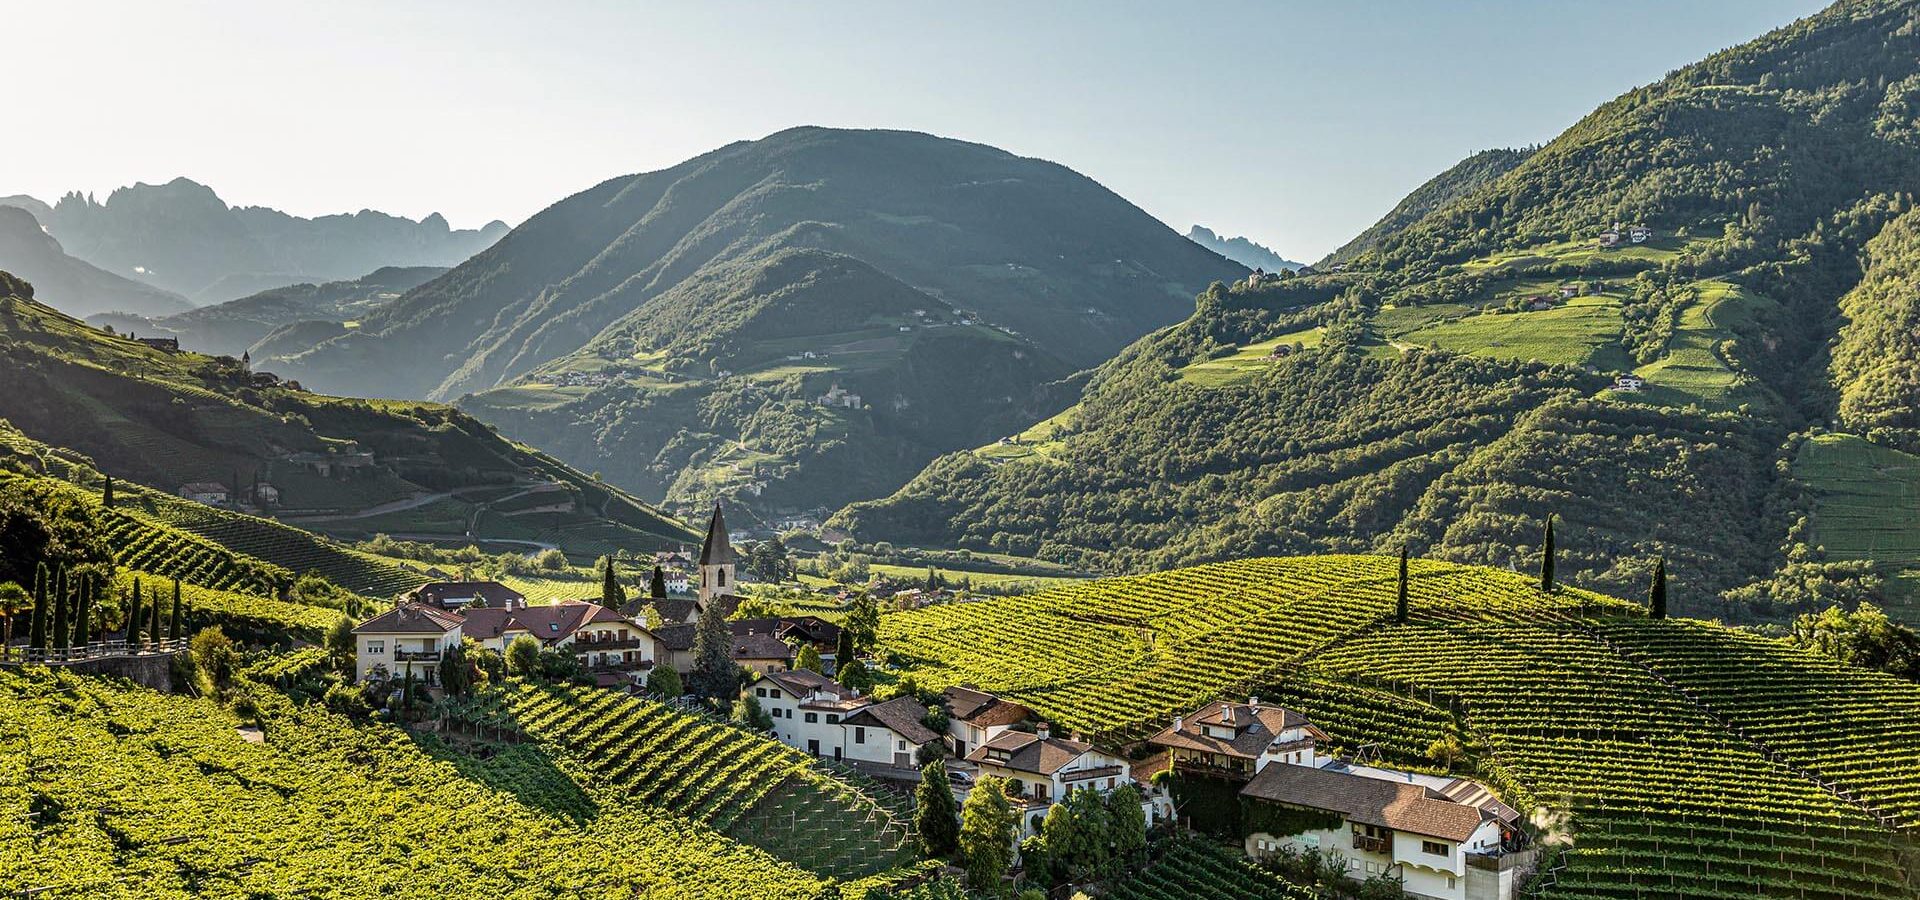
1038,442
994,580
1584,333
1248,361
1693,370
1866,505
1655,251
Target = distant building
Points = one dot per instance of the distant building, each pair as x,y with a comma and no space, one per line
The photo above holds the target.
1631,384
458,595
164,345
266,494
212,493
1639,234
1608,238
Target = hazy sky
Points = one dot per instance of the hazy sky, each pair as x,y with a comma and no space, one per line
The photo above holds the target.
1297,124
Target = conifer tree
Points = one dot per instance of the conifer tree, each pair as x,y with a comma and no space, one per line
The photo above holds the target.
612,596
37,628
658,587
1400,596
1657,594
173,627
1546,557
133,616
106,493
987,823
82,610
62,621
158,619
936,818
715,676
843,651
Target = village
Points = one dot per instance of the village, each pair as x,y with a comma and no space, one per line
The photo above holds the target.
1436,835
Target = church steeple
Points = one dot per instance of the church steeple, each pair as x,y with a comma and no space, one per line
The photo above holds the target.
716,559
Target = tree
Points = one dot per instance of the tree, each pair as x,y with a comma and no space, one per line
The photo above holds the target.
1546,557
1446,750
1129,824
611,593
769,561
809,659
855,675
523,656
62,627
106,493
174,626
456,673
82,612
212,654
715,676
1657,593
933,579
664,682
658,586
339,641
37,628
133,615
986,834
158,620
936,819
1065,840
13,599
863,619
1400,595
748,713
843,650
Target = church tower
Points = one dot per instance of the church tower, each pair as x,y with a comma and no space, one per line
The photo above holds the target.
716,560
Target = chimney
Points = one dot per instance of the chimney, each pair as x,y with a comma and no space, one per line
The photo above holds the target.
1254,702
1179,723
1226,713
1041,731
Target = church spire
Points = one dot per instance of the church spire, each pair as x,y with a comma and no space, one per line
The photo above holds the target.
716,560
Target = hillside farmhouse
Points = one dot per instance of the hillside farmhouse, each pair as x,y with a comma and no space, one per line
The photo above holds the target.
814,713
412,636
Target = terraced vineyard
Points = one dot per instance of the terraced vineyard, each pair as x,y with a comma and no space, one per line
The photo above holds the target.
1664,800
1855,728
751,788
242,616
119,793
1124,654
1195,868
285,546
1750,770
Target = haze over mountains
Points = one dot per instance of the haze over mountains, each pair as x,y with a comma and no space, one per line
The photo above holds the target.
1241,250
798,320
1490,360
182,238
296,315
27,249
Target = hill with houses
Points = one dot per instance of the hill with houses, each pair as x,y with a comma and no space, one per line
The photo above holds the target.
1655,326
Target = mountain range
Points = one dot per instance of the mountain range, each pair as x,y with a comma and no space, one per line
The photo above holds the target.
182,238
295,315
27,249
1241,250
797,321
1674,328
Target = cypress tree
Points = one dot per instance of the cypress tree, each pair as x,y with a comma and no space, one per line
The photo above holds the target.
1400,596
1657,594
715,676
173,627
62,620
1546,557
935,815
658,588
106,493
843,651
133,616
82,610
612,596
37,630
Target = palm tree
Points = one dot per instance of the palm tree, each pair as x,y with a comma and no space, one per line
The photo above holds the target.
13,599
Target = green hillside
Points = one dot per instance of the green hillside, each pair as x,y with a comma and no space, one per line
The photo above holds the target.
1672,748
1456,385
1465,177
167,419
238,326
674,330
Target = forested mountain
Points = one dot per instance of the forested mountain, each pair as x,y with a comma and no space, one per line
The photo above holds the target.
801,320
167,419
1465,177
181,237
290,313
27,249
1240,250
1491,363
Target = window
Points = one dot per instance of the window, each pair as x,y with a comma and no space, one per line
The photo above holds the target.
720,579
812,718
1449,882
376,646
759,692
859,735
903,745
1435,848
833,718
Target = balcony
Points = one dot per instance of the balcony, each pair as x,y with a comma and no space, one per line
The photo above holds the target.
422,656
1501,862
610,644
1372,844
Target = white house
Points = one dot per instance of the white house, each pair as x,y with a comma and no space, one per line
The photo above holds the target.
611,647
212,493
407,638
1444,838
814,713
1234,740
975,717
1639,234
1631,384
1047,768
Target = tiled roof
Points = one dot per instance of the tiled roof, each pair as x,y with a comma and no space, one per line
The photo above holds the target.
1400,806
1028,753
411,618
496,594
760,646
1257,727
801,682
486,623
676,637
550,623
901,714
982,709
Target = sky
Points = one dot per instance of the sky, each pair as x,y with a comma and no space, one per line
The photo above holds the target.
1295,124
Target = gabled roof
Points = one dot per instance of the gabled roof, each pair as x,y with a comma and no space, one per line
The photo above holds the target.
802,682
1028,753
676,637
760,646
1400,806
548,623
672,610
496,594
411,618
981,709
1257,726
716,550
902,715
811,629
486,623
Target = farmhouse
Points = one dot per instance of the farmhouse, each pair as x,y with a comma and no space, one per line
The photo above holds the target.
164,345
212,493
1631,384
1224,739
975,717
1608,238
1639,234
406,639
1045,769
456,595
814,713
